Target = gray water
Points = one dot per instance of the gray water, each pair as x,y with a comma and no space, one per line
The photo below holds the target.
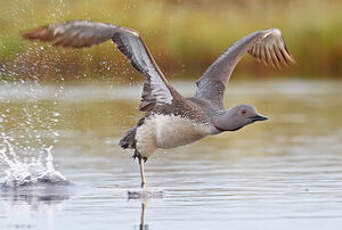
281,174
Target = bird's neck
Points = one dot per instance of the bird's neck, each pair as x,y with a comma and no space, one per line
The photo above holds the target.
225,121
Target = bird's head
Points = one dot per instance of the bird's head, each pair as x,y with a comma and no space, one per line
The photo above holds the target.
237,117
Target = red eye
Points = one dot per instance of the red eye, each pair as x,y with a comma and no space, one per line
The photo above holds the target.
243,112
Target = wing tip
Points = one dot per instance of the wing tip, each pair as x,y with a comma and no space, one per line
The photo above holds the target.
42,33
287,57
290,56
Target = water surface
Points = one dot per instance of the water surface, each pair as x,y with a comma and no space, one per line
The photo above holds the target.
285,173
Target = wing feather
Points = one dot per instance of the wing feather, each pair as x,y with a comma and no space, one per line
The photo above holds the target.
267,46
78,34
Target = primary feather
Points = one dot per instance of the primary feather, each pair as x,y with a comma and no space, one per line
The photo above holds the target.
79,34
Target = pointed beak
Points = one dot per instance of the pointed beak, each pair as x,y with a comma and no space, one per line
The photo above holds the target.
258,118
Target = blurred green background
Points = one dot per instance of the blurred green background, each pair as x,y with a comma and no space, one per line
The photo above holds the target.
185,37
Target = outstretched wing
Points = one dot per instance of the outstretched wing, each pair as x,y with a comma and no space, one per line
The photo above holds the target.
78,34
267,46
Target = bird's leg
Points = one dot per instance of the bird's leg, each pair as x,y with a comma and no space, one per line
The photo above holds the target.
141,164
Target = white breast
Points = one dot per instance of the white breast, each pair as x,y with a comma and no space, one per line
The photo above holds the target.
169,131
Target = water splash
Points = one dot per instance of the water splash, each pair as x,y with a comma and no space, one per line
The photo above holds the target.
28,132
34,171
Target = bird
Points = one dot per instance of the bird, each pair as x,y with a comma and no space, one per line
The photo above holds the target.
170,119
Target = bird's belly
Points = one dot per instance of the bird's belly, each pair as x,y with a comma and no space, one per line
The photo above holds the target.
173,131
168,131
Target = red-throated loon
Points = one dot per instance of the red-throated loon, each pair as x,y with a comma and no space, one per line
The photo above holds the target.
170,119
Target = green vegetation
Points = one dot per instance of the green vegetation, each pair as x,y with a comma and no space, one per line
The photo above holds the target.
184,36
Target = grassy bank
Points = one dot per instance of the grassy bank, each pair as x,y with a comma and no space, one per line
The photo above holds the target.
184,36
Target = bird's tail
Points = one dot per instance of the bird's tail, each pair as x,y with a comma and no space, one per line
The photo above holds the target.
128,141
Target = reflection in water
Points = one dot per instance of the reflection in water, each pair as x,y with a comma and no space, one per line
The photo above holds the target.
144,196
142,225
21,205
44,194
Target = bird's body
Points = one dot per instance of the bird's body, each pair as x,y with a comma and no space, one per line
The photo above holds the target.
170,119
169,131
165,128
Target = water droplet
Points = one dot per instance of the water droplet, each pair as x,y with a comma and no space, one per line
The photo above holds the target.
56,114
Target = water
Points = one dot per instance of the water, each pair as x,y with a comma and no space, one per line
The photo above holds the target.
285,173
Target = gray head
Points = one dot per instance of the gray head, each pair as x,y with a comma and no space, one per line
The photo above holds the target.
237,117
